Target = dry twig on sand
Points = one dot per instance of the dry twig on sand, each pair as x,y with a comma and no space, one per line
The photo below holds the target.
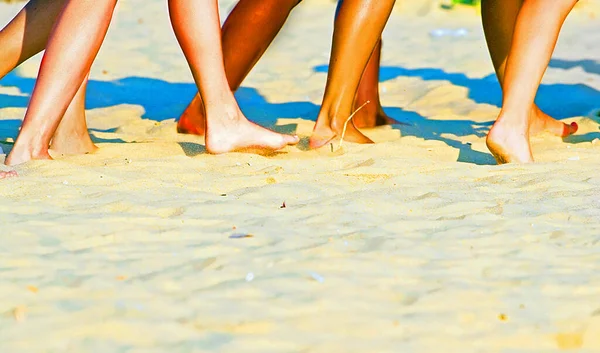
348,120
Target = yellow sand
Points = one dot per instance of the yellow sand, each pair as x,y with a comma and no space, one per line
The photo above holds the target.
416,244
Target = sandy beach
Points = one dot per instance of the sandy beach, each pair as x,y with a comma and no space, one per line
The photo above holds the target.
419,243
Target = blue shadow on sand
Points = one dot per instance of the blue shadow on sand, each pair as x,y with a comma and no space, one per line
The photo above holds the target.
162,100
589,66
559,100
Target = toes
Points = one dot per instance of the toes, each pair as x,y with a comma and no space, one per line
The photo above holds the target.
5,175
291,140
563,130
569,129
319,141
285,140
320,137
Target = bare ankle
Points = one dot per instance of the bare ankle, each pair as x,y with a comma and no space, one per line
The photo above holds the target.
223,115
19,156
516,121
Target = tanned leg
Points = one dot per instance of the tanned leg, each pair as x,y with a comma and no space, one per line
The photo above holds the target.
72,136
372,114
536,32
246,35
72,47
6,175
26,35
368,90
358,28
196,26
499,18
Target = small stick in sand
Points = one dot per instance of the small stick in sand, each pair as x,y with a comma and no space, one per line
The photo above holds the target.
348,120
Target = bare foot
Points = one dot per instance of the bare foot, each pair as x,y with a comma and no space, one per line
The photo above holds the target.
236,133
6,175
72,143
383,119
509,144
541,122
371,116
72,135
323,134
192,120
20,155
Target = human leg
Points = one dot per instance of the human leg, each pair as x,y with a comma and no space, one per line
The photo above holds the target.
536,32
196,26
499,18
73,45
247,33
27,35
357,31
